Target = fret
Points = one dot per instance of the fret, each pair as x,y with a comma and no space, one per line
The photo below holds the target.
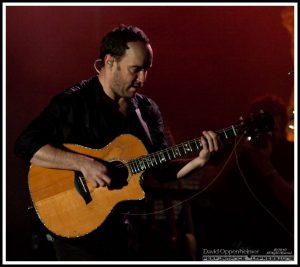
136,167
189,145
161,157
146,162
130,167
142,164
187,148
229,132
177,151
165,155
225,134
235,134
174,156
183,147
158,157
193,146
196,143
155,161
170,153
133,167
167,151
149,161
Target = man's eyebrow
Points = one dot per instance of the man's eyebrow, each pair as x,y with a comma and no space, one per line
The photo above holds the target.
146,66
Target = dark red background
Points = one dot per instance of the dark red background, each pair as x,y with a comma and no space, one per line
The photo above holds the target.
210,62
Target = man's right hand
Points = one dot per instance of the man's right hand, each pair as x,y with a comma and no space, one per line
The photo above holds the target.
95,172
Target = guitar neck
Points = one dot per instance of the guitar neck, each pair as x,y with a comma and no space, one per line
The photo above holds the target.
160,157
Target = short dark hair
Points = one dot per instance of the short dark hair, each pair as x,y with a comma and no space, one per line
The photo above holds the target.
115,42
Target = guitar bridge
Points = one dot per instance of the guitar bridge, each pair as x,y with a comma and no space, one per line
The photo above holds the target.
81,187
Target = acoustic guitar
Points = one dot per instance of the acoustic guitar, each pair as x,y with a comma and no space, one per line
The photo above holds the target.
70,207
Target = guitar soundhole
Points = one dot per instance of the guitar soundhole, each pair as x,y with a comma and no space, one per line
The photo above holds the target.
118,173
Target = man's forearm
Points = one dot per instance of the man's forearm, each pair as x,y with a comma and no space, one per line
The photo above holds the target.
49,156
189,167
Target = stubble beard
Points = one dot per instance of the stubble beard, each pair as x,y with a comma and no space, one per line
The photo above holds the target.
118,86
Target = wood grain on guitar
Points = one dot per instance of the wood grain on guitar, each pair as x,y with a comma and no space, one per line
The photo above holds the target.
63,210
68,206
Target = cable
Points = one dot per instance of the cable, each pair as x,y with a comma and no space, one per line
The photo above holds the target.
192,196
255,196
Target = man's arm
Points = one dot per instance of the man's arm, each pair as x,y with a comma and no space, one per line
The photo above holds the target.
49,156
210,145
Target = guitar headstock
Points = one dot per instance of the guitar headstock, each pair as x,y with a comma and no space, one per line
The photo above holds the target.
256,124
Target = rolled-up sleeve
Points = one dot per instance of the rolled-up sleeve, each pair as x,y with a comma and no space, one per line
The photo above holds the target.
44,129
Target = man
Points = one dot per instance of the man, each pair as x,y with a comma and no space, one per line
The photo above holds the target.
92,114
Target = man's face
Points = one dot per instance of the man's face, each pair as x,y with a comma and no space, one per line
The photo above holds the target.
129,74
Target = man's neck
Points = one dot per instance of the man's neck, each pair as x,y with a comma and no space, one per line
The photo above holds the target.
122,102
123,105
106,88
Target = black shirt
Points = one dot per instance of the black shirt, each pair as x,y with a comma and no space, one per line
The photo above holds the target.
85,115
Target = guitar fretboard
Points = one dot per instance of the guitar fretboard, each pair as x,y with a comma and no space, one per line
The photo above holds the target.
160,157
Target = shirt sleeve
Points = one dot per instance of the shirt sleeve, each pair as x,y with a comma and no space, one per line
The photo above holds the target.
44,129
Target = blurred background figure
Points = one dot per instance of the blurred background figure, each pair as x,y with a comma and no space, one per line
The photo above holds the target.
249,203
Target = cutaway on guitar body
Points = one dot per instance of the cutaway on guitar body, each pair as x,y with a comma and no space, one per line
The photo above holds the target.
67,204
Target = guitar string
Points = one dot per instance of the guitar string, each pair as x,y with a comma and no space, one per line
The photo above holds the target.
169,149
237,141
193,195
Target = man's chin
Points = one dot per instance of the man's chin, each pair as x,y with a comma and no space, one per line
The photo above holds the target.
132,91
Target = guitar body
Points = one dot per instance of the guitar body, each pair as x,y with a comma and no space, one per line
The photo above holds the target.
60,206
68,206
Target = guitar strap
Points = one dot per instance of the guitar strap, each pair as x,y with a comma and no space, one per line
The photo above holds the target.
143,123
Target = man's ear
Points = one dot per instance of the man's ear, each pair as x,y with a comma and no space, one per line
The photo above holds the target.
108,59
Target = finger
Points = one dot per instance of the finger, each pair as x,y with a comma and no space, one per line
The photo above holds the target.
102,167
100,183
214,138
94,183
100,180
105,179
204,143
209,141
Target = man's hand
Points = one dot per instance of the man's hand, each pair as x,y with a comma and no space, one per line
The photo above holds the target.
95,172
209,142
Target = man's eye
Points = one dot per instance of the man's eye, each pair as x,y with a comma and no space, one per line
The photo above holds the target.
135,70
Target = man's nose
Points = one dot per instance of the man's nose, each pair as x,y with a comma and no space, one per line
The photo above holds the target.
142,76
